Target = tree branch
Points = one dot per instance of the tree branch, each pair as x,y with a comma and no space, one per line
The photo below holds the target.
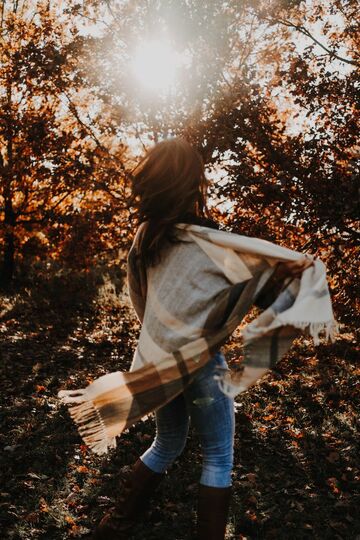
305,32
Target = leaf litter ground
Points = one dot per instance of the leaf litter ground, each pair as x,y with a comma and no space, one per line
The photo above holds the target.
296,445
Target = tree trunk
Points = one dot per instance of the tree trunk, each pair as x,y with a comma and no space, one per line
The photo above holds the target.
7,172
8,262
7,270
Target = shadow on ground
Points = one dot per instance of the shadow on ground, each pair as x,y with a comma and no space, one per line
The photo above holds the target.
295,473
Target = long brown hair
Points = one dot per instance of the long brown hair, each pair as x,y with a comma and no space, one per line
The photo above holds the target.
170,186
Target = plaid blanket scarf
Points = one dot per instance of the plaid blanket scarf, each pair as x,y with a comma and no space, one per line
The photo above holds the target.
189,306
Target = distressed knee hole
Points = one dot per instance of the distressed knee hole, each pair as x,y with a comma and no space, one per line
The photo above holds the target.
203,401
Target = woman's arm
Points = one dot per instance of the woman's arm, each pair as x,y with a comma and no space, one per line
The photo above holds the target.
274,284
136,281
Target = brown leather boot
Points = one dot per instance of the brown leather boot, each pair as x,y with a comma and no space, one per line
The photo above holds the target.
133,501
213,509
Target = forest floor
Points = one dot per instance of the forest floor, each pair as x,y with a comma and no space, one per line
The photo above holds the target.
296,455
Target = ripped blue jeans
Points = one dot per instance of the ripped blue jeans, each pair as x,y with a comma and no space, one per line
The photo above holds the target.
213,416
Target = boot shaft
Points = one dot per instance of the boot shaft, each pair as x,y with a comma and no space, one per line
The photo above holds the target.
213,509
137,488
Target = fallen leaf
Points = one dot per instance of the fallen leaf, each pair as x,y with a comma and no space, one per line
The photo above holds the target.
43,506
82,469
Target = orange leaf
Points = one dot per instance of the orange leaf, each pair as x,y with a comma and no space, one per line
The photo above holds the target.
251,515
295,434
75,530
43,505
82,469
331,482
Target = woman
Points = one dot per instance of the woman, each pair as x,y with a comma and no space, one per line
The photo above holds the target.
170,187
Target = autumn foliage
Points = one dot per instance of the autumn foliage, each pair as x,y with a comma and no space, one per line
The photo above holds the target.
279,121
56,174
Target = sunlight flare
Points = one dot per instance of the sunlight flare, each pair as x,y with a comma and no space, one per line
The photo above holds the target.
156,65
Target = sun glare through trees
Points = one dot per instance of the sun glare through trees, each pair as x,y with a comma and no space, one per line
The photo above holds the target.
155,65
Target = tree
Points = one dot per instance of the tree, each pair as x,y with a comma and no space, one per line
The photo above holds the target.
295,185
273,114
60,159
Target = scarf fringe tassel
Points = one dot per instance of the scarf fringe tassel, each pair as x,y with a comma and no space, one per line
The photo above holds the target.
88,420
331,328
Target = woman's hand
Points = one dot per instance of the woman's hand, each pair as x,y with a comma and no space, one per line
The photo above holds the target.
291,269
275,283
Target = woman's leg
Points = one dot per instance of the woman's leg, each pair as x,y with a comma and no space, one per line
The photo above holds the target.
172,425
213,415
